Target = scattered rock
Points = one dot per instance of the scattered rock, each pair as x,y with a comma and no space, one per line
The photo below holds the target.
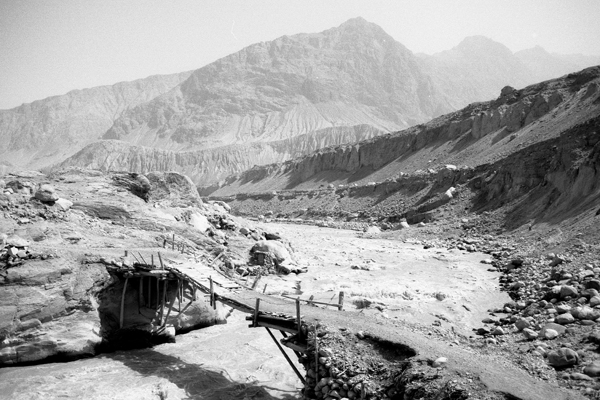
562,358
46,193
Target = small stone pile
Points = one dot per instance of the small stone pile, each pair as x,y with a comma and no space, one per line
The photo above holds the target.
333,373
14,250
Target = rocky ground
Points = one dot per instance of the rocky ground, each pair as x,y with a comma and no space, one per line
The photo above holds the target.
464,294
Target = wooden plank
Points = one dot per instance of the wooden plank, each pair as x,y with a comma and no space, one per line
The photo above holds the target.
311,301
121,315
275,326
286,357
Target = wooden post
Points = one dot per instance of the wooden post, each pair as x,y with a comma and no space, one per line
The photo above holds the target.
265,288
286,356
179,295
256,281
255,319
162,265
152,259
122,304
125,253
142,257
298,319
310,299
164,243
149,302
157,293
164,323
341,301
173,245
141,292
316,355
194,297
164,299
212,293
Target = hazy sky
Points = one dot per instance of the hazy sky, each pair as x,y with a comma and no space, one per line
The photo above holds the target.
48,47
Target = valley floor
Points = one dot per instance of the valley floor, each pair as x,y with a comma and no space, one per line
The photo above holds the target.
381,276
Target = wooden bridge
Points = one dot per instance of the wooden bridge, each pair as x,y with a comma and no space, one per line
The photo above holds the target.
272,313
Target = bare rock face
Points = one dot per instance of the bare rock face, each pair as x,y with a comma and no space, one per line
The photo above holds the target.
46,310
206,167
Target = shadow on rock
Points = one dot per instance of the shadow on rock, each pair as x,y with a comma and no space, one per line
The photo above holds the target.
197,381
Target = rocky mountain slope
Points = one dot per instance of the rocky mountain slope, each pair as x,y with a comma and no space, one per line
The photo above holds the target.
47,131
213,164
349,75
479,134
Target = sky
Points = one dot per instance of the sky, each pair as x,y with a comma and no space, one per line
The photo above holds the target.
49,47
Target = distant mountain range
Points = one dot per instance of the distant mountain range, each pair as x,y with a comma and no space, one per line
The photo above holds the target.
268,103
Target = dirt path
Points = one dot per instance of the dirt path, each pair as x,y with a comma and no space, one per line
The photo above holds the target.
451,288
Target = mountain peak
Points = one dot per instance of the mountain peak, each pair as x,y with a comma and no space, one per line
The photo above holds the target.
482,45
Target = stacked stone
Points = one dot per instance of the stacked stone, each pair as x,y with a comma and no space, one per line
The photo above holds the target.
328,379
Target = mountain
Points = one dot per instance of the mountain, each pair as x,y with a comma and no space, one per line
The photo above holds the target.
475,70
546,65
350,75
351,82
526,120
47,131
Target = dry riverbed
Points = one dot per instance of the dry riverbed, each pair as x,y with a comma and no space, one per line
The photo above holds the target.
399,279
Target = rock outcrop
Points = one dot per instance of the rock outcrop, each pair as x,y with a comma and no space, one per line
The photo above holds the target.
208,167
59,296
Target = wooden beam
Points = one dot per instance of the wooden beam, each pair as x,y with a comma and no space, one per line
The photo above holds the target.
162,265
122,304
149,295
164,299
274,326
179,294
298,319
212,293
287,357
142,257
316,355
255,320
164,323
311,301
141,292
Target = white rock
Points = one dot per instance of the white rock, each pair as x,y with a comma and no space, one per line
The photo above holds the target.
64,204
440,362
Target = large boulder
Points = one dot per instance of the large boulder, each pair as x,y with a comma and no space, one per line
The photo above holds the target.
563,358
277,250
200,222
46,194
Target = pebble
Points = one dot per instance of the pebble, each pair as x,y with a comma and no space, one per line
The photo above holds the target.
440,362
